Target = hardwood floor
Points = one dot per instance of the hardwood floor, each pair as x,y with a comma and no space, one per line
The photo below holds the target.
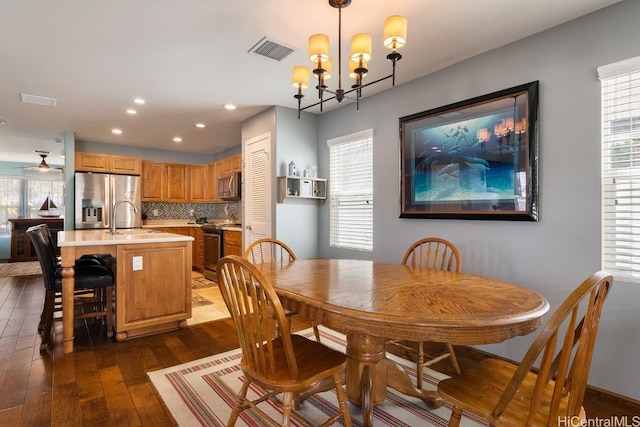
104,383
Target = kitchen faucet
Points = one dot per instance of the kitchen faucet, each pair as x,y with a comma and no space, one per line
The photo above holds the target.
112,226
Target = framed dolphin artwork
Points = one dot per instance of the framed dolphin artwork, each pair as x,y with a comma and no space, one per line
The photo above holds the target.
474,159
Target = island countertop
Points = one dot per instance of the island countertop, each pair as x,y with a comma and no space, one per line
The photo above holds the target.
123,237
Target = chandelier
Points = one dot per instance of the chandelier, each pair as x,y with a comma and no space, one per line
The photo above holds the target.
395,35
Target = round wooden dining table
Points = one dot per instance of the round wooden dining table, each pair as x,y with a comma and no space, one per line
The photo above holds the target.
372,302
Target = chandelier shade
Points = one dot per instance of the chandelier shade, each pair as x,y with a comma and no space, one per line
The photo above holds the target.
395,36
395,32
318,47
300,77
361,48
352,69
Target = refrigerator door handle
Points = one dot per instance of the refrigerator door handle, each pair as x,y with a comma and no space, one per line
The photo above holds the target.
107,201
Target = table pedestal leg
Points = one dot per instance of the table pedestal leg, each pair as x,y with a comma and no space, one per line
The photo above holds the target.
369,373
366,372
398,379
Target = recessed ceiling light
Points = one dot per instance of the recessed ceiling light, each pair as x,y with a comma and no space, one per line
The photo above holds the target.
229,106
177,139
139,101
116,131
200,125
131,111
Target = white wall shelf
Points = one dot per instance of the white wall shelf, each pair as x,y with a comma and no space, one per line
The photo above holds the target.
299,188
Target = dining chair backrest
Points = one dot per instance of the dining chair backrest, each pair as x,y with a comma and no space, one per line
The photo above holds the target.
578,318
267,250
49,237
433,253
257,313
45,253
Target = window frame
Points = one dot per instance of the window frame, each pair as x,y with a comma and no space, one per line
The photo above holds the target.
620,168
351,227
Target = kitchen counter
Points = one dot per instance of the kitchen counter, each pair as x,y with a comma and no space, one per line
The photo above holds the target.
124,236
157,223
153,279
151,224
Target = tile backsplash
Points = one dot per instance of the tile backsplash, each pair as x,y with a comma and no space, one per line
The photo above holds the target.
210,211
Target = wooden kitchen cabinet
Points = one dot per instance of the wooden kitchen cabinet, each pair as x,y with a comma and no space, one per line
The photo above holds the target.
198,181
154,292
232,241
212,182
107,163
177,180
171,182
197,248
154,181
229,165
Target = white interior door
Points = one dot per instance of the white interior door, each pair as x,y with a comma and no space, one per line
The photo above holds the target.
258,200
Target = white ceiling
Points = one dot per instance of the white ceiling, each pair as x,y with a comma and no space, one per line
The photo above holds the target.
187,58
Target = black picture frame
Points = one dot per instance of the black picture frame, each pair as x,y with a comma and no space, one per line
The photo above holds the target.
474,159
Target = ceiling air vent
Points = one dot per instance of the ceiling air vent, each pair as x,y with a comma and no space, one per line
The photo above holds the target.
39,100
271,49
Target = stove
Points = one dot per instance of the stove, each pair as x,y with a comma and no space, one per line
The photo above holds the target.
212,244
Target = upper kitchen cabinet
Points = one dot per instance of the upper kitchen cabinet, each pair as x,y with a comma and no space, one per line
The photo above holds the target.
154,181
177,183
108,163
173,182
212,182
229,165
198,175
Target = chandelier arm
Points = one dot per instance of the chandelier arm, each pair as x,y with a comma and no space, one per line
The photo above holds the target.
347,92
339,49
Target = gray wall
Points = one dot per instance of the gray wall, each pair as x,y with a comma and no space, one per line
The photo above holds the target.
555,254
295,221
151,154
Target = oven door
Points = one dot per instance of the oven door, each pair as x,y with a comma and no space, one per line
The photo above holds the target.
212,252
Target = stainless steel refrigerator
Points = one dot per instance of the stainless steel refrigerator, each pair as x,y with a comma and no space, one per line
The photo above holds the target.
97,193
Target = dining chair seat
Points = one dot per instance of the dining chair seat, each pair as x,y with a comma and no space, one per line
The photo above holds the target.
549,394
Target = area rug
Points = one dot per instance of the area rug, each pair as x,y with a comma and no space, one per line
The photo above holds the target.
28,268
202,393
200,282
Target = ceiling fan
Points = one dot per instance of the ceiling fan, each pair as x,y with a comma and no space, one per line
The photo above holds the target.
43,164
43,168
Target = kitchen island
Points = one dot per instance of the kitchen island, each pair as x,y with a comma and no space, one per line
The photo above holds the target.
153,278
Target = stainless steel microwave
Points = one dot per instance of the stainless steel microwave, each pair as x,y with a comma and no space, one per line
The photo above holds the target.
229,186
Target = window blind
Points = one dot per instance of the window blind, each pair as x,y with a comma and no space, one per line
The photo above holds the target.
620,84
351,191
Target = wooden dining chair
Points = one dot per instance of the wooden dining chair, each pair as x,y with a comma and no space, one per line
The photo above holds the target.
279,363
435,254
269,249
506,393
